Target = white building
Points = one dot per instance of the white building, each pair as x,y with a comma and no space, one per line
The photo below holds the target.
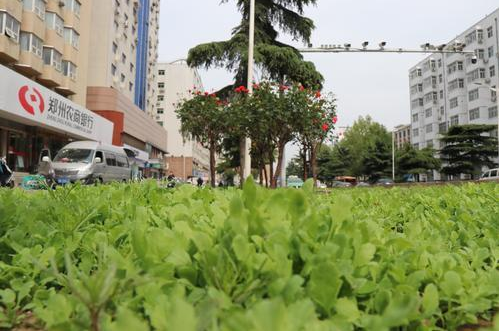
442,87
174,81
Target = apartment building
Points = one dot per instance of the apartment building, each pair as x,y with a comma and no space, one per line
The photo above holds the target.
123,40
174,81
60,51
402,135
42,84
443,88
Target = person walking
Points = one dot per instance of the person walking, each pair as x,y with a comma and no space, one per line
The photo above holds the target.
200,182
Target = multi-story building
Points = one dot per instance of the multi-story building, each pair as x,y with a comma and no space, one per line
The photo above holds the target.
174,82
402,135
64,51
42,80
443,89
123,40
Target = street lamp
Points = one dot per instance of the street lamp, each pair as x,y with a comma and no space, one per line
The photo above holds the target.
246,165
496,90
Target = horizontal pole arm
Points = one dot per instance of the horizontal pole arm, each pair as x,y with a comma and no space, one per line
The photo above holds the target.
385,50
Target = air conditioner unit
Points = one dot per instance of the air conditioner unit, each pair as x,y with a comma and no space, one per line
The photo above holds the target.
61,3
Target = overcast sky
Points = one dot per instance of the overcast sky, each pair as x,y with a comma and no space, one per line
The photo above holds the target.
364,84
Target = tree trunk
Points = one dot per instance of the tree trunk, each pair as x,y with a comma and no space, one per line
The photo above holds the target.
212,163
313,162
305,169
280,156
266,174
260,171
271,162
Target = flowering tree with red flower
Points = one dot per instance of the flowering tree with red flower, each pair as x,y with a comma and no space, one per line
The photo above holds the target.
203,118
317,123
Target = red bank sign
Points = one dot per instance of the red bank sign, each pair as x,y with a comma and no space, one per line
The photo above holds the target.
30,103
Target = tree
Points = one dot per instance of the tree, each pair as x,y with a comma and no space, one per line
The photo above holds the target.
410,160
467,149
203,119
295,167
333,163
377,161
279,61
360,139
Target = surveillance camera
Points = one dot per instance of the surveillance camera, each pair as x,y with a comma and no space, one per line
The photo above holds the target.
474,59
347,45
382,44
310,45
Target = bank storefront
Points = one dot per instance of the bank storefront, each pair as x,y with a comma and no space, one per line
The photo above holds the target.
33,118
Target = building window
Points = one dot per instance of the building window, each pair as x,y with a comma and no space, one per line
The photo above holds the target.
54,22
69,69
490,32
130,86
161,72
442,128
492,71
456,84
480,53
492,112
428,113
36,6
132,67
74,6
440,78
454,102
415,118
31,43
72,37
161,98
441,94
474,114
123,58
51,57
416,146
415,132
160,111
113,70
9,26
123,78
429,128
160,123
161,85
491,52
473,95
115,48
116,25
429,144
454,120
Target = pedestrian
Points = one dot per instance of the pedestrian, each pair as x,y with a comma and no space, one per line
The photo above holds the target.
200,182
220,184
171,176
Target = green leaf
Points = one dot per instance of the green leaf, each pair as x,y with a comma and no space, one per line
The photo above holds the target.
241,247
430,299
324,285
451,284
347,308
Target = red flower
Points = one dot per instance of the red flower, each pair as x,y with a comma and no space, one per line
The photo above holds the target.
213,95
206,94
335,119
256,86
198,93
283,88
318,94
302,88
325,127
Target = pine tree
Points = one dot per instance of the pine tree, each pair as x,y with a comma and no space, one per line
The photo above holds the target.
279,61
467,149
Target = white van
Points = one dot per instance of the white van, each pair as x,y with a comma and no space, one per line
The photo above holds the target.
490,175
90,162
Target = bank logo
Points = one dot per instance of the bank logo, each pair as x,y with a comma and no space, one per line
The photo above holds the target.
31,100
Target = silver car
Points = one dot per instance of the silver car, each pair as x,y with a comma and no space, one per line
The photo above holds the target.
90,162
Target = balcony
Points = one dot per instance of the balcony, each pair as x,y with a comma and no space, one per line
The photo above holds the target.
9,50
29,64
68,86
52,38
70,53
34,24
14,8
50,77
70,19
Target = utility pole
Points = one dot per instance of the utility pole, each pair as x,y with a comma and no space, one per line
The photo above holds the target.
246,165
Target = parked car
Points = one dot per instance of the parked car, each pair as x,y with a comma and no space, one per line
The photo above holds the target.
90,162
386,182
341,184
490,175
294,182
363,184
